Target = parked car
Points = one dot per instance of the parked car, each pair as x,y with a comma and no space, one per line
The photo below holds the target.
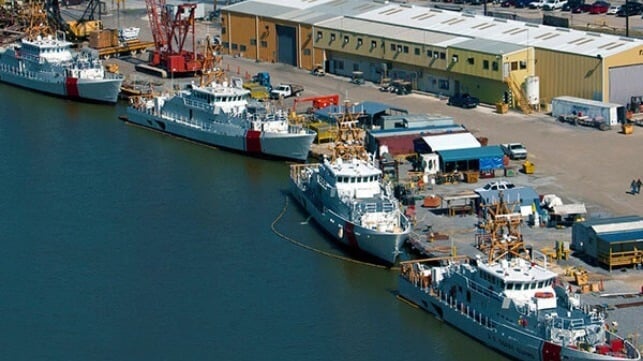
463,100
551,5
583,8
629,9
508,3
536,4
613,9
599,7
520,4
496,186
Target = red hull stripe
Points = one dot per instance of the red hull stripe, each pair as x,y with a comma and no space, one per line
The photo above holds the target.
551,352
349,233
253,141
72,87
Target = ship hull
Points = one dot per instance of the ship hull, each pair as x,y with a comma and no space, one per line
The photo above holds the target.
382,245
294,146
95,90
500,337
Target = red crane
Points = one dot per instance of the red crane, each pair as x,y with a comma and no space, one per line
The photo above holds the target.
170,31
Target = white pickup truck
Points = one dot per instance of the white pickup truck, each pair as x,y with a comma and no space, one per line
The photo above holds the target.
286,91
515,150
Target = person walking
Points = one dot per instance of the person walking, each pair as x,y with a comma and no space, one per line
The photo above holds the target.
638,186
633,187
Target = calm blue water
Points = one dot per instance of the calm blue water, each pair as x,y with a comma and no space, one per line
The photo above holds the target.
119,243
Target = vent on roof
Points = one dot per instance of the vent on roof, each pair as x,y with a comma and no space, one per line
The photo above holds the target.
487,26
424,17
532,25
407,6
479,25
381,1
563,29
436,10
615,46
593,34
500,20
626,39
585,41
418,16
606,45
468,15
508,31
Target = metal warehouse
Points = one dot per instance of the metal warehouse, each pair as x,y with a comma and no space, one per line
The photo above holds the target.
610,241
525,65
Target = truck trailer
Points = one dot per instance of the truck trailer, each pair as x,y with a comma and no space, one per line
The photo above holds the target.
564,107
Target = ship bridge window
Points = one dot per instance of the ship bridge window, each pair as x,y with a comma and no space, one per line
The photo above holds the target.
541,284
510,286
352,179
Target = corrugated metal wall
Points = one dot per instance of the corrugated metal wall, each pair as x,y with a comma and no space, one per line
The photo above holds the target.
568,74
625,82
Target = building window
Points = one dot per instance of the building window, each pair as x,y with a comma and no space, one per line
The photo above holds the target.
443,84
417,51
355,67
443,55
235,46
339,65
471,60
332,37
225,45
494,66
399,48
320,35
485,64
346,39
373,44
406,49
523,64
455,58
264,44
514,65
306,51
429,53
242,47
253,42
393,47
360,42
223,31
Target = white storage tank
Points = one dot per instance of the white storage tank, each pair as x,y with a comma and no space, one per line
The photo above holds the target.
532,89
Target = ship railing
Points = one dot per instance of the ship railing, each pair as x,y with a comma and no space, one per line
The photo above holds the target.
482,290
568,324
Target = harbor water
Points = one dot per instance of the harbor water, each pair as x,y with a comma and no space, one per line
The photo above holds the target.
120,243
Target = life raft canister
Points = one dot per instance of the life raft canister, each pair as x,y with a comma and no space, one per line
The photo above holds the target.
544,295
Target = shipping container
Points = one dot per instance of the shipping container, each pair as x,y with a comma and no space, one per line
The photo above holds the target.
612,114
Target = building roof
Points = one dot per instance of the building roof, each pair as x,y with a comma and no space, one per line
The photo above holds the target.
368,108
618,227
525,195
611,220
454,155
623,237
420,131
441,142
509,31
567,209
392,31
490,46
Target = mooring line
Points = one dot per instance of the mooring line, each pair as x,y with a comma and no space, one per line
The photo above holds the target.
317,250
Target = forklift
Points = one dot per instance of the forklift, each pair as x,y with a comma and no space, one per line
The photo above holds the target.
357,78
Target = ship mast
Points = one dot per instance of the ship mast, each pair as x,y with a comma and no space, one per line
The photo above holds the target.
500,231
349,143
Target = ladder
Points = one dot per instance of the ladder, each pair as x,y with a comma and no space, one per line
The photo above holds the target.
518,95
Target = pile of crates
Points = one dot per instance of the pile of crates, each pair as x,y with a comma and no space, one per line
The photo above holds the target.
105,38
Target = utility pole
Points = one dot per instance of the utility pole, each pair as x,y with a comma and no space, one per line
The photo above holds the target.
627,18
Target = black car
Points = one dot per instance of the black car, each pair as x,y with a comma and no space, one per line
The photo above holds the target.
629,9
463,100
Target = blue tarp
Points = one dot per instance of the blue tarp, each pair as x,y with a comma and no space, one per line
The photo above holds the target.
490,157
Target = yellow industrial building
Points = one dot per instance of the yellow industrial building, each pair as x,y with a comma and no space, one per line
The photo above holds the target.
438,51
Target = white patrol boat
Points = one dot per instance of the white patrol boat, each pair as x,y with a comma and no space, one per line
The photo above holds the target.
220,114
48,64
349,198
